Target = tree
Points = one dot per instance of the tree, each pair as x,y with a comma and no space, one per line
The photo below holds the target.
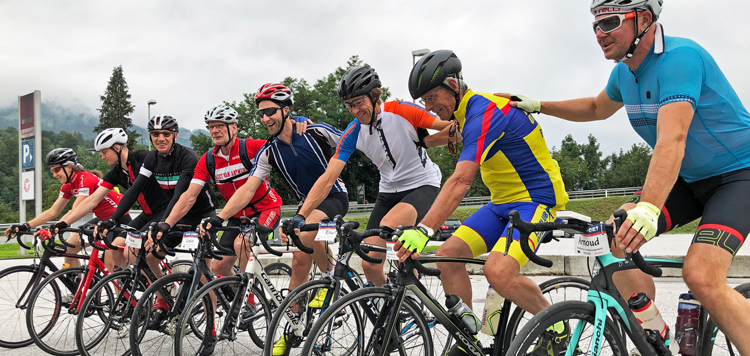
201,143
116,107
580,165
627,169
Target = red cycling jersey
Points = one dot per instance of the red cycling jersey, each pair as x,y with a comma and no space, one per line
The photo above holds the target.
230,174
86,183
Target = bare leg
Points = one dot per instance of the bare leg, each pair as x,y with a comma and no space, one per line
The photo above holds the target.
454,276
401,214
503,273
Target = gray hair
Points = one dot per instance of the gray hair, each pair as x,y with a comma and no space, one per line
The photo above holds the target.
462,86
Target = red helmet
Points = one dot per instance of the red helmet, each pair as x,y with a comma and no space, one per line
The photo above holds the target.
275,92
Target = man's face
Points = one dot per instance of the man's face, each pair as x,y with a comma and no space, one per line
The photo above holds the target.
361,108
109,155
271,116
440,101
615,44
218,131
162,140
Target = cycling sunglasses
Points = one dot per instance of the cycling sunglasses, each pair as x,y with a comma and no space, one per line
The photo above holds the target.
610,23
268,111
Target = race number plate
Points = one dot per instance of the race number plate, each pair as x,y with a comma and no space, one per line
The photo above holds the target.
190,240
133,239
593,242
326,232
390,253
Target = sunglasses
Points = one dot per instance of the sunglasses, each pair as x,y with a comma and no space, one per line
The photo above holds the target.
56,169
612,22
268,111
452,134
355,103
156,134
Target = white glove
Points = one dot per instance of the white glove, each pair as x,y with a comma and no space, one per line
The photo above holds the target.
526,104
645,219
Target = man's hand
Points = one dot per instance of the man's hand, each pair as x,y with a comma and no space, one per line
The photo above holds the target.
301,124
160,229
412,242
211,224
54,228
640,227
102,228
524,103
297,222
16,228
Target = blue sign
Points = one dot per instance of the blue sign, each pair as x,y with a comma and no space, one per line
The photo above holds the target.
27,154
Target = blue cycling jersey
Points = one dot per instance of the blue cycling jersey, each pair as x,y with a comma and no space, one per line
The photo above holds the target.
303,161
719,133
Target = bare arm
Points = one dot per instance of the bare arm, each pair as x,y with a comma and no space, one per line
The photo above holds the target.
184,204
76,203
451,194
580,110
241,197
79,210
322,186
442,137
50,213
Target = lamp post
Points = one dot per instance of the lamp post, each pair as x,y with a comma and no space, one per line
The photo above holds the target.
418,53
150,102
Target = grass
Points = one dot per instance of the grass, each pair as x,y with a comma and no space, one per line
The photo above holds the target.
10,250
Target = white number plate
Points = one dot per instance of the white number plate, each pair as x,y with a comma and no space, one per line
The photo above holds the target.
390,253
326,232
190,240
594,242
134,239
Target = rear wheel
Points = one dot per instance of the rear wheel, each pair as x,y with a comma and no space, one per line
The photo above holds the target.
715,342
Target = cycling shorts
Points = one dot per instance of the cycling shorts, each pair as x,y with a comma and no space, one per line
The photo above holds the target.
486,229
720,201
335,204
421,198
268,218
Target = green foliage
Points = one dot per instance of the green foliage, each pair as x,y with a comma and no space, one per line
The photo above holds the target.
116,107
201,143
627,169
580,164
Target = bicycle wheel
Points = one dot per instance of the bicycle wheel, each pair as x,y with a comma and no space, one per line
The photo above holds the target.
49,319
178,266
152,334
554,290
16,285
280,273
243,336
281,327
103,323
714,341
354,326
534,334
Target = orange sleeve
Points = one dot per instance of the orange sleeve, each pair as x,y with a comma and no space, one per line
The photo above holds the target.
413,113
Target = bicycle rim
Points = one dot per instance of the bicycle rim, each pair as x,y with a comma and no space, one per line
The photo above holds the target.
16,286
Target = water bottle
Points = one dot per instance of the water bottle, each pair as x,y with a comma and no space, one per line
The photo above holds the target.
462,312
493,307
650,318
688,315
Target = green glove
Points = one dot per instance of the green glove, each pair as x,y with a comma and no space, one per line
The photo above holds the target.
645,219
415,239
527,104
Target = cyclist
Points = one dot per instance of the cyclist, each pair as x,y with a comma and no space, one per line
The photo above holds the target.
78,182
507,146
393,136
678,100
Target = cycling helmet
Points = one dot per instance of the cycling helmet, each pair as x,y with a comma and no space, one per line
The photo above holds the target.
431,70
358,81
221,113
276,92
163,122
110,137
599,7
61,156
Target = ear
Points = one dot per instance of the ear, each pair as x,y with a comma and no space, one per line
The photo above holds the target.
453,83
645,19
286,111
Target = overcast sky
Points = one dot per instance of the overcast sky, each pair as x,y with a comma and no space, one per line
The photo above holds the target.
191,56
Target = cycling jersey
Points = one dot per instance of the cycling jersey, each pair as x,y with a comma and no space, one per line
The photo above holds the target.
391,145
678,69
303,161
507,142
86,183
230,174
151,198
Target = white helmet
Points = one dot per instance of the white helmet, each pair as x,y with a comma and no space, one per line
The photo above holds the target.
599,7
222,113
109,137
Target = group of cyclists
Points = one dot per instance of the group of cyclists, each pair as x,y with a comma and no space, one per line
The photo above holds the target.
676,98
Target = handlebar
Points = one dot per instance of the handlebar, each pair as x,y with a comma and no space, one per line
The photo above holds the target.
286,227
176,230
18,237
620,216
261,233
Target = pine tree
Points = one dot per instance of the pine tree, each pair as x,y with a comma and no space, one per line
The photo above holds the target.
116,107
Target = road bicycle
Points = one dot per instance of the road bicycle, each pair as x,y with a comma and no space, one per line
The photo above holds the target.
603,323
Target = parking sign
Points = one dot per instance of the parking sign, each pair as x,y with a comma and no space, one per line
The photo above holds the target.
27,154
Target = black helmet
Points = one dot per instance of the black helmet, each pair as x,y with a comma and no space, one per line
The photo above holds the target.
431,70
358,81
163,122
60,156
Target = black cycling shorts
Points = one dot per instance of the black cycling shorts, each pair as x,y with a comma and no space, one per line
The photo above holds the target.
420,198
720,201
334,204
111,235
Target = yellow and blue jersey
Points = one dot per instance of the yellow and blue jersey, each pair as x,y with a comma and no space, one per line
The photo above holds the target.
509,146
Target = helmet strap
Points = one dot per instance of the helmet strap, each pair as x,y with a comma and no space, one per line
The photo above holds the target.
67,176
231,137
119,154
373,117
637,39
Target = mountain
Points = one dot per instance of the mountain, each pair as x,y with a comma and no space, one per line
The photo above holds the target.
58,118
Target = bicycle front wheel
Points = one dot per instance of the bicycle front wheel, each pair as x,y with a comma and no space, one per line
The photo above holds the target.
543,334
16,283
354,326
714,342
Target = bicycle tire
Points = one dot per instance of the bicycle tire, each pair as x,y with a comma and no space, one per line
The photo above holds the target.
46,333
549,289
258,317
714,339
14,333
178,266
145,341
102,300
529,335
411,328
